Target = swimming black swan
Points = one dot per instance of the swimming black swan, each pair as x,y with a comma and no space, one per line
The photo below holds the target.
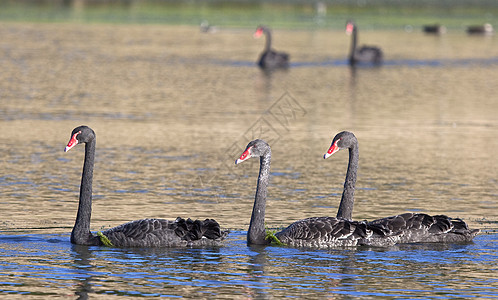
480,29
140,233
317,232
404,228
270,59
434,29
365,54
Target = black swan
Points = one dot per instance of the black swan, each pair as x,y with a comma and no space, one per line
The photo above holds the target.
317,232
434,29
480,29
365,54
270,59
404,228
140,233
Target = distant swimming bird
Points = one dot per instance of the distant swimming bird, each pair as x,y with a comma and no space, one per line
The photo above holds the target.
270,59
140,233
365,54
206,28
480,29
434,29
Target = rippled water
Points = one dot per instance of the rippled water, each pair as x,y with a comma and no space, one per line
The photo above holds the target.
47,265
173,108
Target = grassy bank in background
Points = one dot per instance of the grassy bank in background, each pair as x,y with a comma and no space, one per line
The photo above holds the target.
382,14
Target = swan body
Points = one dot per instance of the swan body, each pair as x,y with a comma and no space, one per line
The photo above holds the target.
365,54
269,58
140,233
434,29
423,228
485,29
403,228
324,232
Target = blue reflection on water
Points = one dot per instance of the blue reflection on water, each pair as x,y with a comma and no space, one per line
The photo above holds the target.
387,63
47,264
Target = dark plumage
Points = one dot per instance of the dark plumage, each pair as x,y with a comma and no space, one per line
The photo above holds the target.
324,232
165,233
270,59
403,228
485,29
434,29
365,54
140,233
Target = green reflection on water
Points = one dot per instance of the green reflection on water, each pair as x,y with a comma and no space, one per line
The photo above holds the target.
291,14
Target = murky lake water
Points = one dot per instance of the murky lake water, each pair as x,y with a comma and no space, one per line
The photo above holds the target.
173,108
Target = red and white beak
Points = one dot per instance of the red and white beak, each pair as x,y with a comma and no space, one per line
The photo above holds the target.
258,33
72,142
245,156
333,149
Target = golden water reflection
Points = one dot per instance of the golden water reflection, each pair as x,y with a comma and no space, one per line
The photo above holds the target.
172,106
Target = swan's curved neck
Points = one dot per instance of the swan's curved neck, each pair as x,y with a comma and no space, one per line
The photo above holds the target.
347,201
256,235
268,40
81,234
352,50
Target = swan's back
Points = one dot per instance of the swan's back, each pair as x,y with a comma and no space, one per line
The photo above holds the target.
329,232
166,233
423,228
274,60
324,232
368,54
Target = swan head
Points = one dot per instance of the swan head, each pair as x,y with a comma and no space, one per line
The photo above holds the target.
342,140
80,134
350,27
256,148
260,31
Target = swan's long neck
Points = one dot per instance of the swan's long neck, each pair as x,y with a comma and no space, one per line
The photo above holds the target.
347,201
352,50
268,40
81,234
256,234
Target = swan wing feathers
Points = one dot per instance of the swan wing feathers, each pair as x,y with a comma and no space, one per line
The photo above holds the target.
273,59
324,232
397,224
166,233
328,232
417,227
369,54
195,230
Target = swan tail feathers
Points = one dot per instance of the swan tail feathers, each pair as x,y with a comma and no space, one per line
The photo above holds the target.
191,230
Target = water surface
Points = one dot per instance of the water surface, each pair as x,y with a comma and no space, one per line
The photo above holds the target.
173,108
